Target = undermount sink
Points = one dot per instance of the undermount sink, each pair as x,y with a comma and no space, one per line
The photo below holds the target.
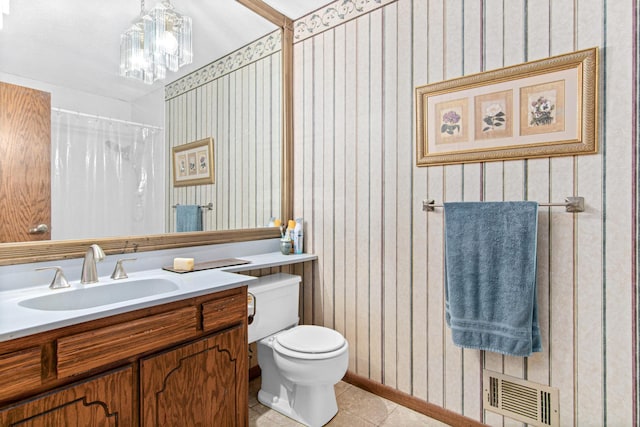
94,296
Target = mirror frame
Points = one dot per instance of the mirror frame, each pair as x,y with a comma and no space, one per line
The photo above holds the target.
39,251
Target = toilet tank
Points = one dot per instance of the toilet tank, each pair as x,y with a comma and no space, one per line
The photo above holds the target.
276,304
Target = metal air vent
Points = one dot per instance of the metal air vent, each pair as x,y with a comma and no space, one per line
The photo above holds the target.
525,401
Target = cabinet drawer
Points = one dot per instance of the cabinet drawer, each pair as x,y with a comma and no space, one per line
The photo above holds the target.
20,371
225,311
88,350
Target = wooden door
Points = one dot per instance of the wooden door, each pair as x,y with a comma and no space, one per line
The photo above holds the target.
105,401
25,165
204,383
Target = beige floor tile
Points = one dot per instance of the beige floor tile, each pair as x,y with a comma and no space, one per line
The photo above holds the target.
341,387
357,408
277,419
262,416
347,419
258,419
405,417
365,405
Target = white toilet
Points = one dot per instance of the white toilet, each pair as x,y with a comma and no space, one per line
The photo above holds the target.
299,364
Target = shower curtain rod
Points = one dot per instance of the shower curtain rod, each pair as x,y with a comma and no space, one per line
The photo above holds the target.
94,116
571,204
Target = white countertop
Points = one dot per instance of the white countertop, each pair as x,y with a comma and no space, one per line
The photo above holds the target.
272,259
18,321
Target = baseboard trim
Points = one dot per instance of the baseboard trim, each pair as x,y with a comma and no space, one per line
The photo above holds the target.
411,402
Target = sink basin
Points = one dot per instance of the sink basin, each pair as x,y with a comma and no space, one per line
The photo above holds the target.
87,297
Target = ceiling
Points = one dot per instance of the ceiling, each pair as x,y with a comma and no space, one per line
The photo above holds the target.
76,43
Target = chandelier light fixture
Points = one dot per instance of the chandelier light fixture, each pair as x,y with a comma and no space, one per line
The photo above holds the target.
159,40
4,10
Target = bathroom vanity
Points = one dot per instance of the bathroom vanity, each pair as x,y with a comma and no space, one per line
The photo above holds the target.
173,364
176,358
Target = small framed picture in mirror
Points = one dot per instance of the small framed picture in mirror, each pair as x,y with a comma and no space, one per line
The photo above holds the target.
193,163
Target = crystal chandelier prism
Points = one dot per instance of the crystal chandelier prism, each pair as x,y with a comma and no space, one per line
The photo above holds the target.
159,40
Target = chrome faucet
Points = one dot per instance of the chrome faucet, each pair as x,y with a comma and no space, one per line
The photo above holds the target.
89,270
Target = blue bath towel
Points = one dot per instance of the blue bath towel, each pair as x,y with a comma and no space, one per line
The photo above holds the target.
188,218
490,258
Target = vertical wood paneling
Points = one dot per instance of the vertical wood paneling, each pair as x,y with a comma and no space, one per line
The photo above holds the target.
520,28
241,111
308,162
317,179
376,196
276,131
493,28
339,195
381,274
224,172
473,47
390,190
328,198
427,50
251,155
405,195
618,104
237,215
350,211
362,193
262,139
590,358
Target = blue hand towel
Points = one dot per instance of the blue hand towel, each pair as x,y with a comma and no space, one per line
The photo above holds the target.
490,280
188,218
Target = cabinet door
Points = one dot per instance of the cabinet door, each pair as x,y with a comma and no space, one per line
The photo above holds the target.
102,401
204,383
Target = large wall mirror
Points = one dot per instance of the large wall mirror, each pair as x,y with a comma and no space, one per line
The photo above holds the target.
235,93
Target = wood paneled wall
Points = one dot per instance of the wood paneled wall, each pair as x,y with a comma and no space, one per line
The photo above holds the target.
379,277
241,109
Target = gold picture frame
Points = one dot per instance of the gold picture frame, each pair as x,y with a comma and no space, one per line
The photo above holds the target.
541,108
193,163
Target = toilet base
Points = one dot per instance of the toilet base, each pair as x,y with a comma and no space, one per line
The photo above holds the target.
312,406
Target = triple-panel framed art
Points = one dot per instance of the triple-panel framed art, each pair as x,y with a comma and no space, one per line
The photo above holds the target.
536,109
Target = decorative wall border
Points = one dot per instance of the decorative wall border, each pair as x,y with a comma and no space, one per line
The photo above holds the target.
259,49
333,15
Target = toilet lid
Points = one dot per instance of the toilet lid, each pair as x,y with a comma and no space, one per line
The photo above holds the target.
311,339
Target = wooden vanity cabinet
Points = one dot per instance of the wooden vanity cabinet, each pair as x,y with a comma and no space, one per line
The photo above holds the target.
169,396
106,400
183,363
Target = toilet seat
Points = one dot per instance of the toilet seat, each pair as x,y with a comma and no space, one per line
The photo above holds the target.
310,342
311,339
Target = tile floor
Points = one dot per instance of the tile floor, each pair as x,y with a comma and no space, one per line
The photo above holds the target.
357,408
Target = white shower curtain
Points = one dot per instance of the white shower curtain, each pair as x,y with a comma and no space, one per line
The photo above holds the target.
107,177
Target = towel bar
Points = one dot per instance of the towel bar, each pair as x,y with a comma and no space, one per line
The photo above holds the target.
209,206
571,204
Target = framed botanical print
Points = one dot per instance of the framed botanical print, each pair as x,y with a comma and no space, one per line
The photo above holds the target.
193,163
538,109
